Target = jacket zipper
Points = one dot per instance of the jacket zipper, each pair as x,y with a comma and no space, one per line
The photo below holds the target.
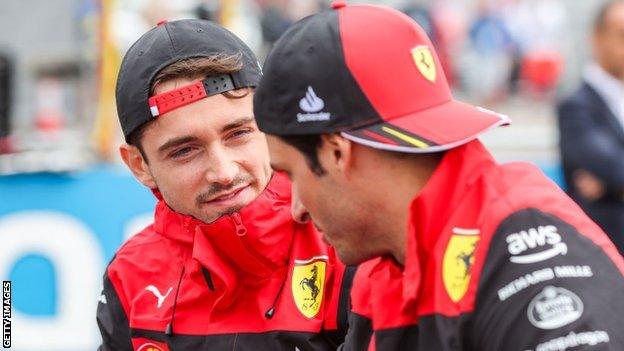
238,224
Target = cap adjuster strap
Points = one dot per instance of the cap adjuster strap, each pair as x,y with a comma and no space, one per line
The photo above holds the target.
165,102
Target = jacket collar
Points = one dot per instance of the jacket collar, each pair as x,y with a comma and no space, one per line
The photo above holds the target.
255,240
433,207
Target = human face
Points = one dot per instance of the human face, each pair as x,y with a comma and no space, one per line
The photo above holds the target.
207,158
609,42
330,200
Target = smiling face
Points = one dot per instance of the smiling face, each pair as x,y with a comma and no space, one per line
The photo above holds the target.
207,158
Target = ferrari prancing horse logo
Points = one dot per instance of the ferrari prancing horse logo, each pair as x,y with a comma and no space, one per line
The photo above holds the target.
308,281
424,62
458,261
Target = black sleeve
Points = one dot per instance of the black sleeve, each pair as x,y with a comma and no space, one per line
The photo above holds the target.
112,320
585,143
337,337
359,334
545,286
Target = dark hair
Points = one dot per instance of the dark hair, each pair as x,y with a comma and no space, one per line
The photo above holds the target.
308,145
603,12
192,68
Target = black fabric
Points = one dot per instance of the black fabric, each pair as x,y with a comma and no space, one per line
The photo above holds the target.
359,334
344,306
505,325
208,278
500,318
112,320
592,138
168,43
402,338
270,341
218,84
310,55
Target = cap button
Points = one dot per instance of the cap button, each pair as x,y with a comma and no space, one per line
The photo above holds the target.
161,22
338,5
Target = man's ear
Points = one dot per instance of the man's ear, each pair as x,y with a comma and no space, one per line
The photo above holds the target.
132,157
336,153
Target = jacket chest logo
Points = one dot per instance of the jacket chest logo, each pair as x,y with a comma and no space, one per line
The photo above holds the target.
458,261
308,281
160,297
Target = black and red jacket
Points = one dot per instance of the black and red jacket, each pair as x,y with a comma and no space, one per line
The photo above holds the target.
253,280
498,258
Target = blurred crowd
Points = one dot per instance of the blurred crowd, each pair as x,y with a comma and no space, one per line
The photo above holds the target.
57,103
491,50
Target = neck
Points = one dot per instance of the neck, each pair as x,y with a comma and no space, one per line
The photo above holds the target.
409,174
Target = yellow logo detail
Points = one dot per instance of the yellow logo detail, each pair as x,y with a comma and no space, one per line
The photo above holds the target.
308,281
458,262
149,347
424,62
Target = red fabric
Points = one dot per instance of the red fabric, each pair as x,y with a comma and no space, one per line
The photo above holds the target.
247,271
467,190
397,89
179,97
391,80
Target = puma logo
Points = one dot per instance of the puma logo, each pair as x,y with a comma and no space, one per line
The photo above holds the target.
161,298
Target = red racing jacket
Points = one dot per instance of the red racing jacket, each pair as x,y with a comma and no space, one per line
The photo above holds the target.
253,280
498,258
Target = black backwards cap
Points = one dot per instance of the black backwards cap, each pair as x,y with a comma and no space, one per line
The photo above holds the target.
167,43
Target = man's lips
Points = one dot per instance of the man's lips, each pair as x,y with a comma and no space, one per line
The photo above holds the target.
227,196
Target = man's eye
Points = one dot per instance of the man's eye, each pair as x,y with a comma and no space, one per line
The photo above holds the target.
239,133
182,152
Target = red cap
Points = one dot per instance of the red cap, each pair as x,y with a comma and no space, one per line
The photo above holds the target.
371,73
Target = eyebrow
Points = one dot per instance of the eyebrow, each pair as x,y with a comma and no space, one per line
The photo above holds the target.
188,138
176,141
237,123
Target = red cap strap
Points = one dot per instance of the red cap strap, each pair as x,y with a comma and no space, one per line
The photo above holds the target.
170,100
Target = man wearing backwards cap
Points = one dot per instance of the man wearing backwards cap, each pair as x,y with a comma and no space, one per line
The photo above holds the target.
461,253
223,266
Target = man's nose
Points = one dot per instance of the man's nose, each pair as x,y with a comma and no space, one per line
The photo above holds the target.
223,169
299,212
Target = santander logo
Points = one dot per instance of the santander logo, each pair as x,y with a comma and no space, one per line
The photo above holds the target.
310,102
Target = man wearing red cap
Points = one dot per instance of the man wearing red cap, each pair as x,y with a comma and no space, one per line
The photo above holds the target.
457,252
223,266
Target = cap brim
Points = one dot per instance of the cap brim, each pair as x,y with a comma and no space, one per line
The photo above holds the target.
439,128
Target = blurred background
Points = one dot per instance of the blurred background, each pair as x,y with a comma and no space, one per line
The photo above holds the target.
66,201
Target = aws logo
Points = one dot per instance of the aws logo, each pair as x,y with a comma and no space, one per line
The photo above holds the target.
543,243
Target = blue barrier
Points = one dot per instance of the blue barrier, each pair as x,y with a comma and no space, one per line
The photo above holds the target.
57,233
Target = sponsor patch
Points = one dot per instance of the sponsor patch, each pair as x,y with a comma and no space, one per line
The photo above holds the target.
458,261
554,308
535,245
542,275
312,105
143,344
308,281
160,298
573,340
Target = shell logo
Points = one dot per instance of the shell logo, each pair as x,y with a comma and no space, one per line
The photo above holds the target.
149,347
